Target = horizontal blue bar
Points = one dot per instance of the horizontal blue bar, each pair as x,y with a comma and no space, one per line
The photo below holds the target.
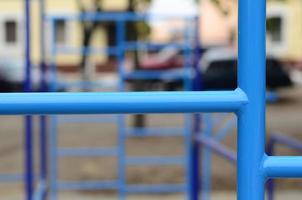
282,166
155,160
88,185
168,75
76,119
156,188
115,16
287,141
122,102
114,51
68,50
11,178
85,85
155,132
87,151
153,46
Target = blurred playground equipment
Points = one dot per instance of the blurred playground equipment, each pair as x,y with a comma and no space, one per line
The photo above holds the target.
183,71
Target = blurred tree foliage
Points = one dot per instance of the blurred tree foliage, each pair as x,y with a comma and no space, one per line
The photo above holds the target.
134,30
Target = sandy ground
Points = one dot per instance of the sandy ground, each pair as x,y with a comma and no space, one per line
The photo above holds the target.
284,117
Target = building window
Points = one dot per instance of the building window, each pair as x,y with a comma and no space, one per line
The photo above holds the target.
60,32
10,28
274,29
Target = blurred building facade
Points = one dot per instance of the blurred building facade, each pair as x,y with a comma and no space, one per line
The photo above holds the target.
218,26
68,33
284,26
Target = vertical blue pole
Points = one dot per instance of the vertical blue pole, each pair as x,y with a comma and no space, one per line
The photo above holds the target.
29,185
206,159
271,182
53,129
197,117
53,178
120,34
188,118
43,85
251,73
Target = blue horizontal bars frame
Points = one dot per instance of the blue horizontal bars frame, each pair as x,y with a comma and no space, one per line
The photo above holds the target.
248,102
155,188
88,185
117,16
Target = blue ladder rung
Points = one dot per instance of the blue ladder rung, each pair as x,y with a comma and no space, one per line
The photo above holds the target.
156,188
86,85
88,185
168,75
155,132
72,119
155,160
86,151
152,46
86,51
11,178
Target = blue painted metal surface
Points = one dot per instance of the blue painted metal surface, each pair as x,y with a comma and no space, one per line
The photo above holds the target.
286,141
251,117
127,102
156,188
28,121
41,191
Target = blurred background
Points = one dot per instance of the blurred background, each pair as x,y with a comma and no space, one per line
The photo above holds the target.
163,45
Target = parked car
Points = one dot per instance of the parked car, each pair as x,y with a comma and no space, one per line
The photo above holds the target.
219,71
12,75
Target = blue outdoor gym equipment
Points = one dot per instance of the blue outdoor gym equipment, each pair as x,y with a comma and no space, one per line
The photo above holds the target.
254,166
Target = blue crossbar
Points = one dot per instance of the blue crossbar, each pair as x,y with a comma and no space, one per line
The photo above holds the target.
88,185
85,85
122,102
155,132
10,178
87,151
155,160
76,119
167,75
115,16
156,188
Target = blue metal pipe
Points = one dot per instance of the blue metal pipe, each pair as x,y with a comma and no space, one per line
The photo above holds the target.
124,102
28,143
251,73
287,141
115,16
218,148
282,166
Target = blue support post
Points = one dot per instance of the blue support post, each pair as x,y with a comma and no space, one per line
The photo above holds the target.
251,73
206,159
53,173
53,140
29,170
43,88
122,178
197,86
